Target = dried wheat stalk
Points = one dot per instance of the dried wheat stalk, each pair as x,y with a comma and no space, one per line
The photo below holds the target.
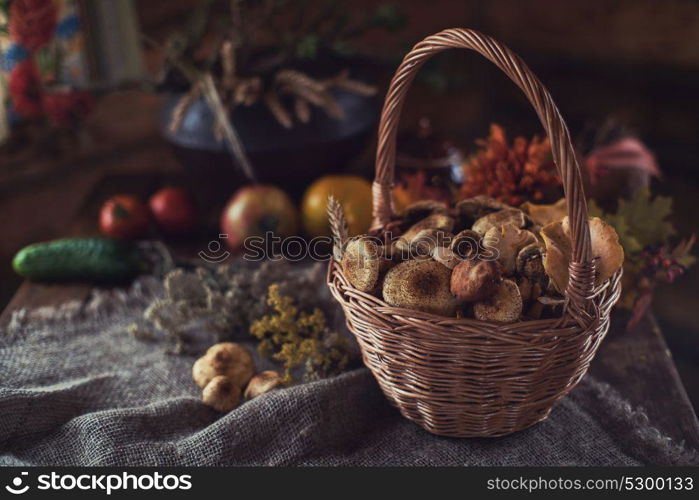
213,98
181,108
278,110
302,110
338,227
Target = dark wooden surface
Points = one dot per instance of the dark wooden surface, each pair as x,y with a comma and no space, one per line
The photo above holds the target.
637,363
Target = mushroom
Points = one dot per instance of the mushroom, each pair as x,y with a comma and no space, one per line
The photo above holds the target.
506,241
474,280
525,288
227,358
420,284
423,208
445,256
606,250
393,229
530,263
439,222
510,216
262,382
504,306
221,393
479,206
529,289
427,240
465,244
361,263
544,214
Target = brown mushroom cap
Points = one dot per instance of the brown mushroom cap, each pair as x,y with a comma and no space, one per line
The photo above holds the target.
530,263
545,214
262,382
466,244
478,206
427,240
423,208
507,240
606,249
361,263
221,393
227,358
474,279
510,216
504,306
420,284
446,257
394,229
439,222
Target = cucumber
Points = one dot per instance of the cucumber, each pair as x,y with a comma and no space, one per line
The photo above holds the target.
79,259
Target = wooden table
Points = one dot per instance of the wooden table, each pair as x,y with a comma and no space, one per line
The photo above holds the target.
637,363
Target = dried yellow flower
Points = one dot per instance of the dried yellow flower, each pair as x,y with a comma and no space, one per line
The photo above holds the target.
295,337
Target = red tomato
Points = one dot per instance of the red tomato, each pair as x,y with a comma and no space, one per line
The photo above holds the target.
174,211
124,217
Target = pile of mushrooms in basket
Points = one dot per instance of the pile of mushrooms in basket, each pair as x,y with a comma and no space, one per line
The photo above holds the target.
479,259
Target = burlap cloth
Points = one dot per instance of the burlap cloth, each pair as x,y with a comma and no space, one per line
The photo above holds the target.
76,389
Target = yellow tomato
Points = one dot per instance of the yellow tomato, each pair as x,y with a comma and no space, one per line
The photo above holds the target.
353,193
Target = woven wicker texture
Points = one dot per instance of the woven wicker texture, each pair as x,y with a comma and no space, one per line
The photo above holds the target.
464,377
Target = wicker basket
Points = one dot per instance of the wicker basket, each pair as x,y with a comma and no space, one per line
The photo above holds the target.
464,377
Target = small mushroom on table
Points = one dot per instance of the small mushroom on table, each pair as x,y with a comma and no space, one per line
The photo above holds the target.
221,393
227,358
261,383
222,372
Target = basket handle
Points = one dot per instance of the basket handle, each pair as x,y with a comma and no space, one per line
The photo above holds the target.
581,280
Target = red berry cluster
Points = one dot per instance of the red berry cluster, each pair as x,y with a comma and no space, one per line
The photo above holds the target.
659,265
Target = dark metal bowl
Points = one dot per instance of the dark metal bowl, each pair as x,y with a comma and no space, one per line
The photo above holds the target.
290,158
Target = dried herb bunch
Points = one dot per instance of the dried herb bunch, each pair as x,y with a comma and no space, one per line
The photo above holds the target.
247,301
296,338
222,300
261,51
511,173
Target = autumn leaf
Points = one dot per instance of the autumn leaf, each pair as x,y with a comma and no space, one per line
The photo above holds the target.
646,218
641,221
